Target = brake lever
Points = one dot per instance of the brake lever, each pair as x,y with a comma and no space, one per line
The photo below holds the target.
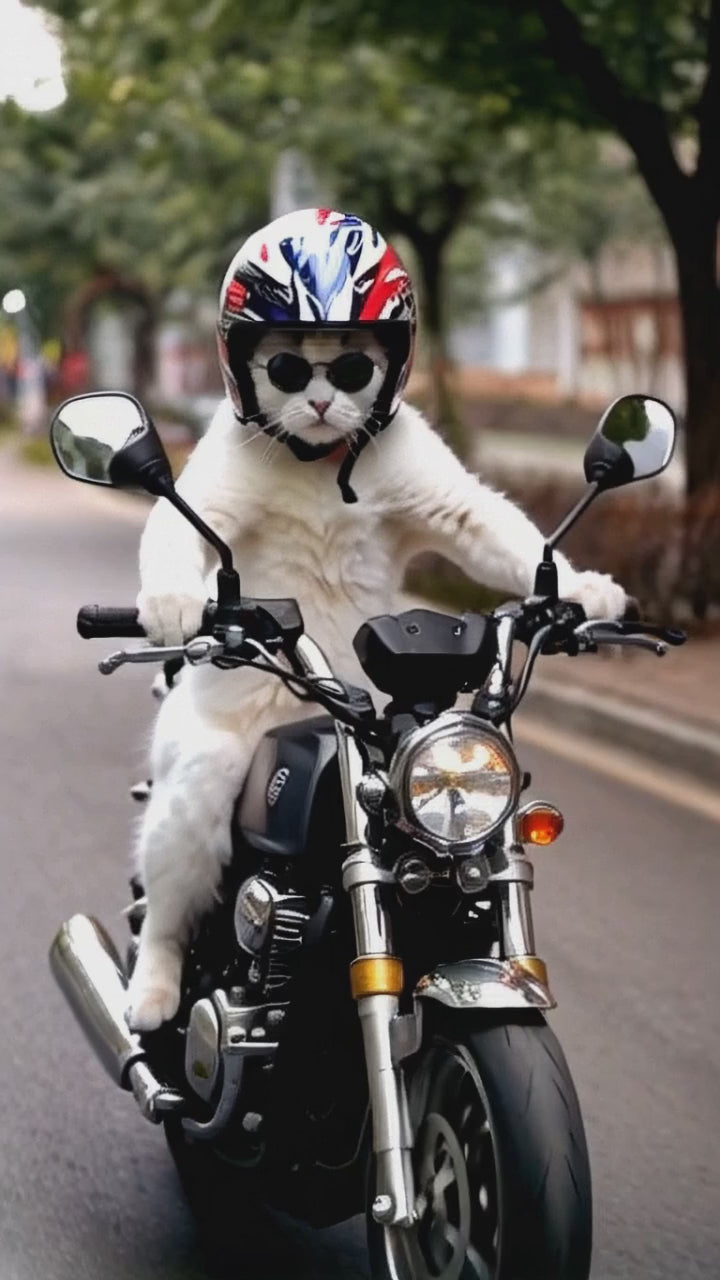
592,639
200,649
623,627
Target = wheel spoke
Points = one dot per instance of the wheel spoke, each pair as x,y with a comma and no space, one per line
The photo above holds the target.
481,1268
445,1177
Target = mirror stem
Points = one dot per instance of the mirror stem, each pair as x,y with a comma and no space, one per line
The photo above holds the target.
546,576
228,579
590,493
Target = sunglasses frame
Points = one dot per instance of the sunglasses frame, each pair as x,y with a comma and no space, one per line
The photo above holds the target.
311,365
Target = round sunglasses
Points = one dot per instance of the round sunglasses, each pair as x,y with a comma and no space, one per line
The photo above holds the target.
289,372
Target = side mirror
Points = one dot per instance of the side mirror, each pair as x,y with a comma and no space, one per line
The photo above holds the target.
634,439
108,438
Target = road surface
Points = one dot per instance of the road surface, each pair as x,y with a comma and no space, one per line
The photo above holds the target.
627,909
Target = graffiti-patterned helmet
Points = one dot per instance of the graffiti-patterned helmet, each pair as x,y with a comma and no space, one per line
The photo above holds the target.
316,268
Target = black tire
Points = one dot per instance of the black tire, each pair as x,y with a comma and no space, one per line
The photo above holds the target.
509,1113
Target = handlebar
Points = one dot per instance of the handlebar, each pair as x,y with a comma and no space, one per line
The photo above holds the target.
270,621
104,621
561,627
242,637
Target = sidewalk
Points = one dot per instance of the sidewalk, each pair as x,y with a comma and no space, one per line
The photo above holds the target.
666,709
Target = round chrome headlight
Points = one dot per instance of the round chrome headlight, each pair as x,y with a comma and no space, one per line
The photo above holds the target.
456,780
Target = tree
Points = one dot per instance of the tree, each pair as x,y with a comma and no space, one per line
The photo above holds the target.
413,157
577,194
652,72
689,202
135,178
410,155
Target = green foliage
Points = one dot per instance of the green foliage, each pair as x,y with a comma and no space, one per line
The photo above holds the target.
657,48
151,169
578,191
439,123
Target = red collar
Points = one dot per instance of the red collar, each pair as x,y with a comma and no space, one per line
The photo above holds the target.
338,454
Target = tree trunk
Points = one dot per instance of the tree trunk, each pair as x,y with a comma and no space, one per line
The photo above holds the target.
442,403
696,254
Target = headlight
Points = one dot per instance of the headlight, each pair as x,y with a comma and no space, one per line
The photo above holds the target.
456,780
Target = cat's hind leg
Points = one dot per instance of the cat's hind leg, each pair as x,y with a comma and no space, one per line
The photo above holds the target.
184,842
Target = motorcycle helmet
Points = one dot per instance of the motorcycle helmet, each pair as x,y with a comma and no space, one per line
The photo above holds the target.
310,269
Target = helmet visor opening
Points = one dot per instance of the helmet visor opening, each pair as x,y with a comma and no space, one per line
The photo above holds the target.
394,336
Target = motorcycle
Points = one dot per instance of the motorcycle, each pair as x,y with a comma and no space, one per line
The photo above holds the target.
363,1015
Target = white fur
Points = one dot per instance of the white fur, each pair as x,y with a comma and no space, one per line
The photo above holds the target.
292,535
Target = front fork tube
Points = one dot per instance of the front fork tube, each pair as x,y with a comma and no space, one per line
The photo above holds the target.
517,935
376,980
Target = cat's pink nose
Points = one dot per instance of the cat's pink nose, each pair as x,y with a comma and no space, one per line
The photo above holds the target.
321,407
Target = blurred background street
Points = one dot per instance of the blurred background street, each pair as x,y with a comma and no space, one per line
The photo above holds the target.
550,172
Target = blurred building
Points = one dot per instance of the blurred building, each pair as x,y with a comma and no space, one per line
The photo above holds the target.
590,335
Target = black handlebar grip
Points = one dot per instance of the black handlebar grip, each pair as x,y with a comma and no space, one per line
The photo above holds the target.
95,621
100,621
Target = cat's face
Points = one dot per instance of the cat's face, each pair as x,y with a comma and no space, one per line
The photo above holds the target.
320,412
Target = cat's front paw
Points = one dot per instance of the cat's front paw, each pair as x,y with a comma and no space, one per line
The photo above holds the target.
171,619
150,1005
599,595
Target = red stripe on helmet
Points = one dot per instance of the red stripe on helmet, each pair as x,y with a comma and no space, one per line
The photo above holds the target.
236,296
383,289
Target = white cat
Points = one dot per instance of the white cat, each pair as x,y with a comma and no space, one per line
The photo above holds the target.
292,535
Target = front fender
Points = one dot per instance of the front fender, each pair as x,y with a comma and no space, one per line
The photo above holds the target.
485,984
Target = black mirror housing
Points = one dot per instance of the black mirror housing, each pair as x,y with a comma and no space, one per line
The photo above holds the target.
144,463
634,440
108,438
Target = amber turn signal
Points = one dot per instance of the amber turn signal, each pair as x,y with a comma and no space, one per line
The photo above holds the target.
539,824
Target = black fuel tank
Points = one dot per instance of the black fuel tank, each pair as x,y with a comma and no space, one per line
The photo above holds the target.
292,804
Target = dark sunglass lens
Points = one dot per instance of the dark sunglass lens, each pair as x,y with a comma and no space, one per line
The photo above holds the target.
288,372
351,372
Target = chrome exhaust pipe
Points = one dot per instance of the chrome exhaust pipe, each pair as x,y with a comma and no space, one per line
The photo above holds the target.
89,972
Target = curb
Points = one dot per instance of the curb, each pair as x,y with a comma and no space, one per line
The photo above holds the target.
677,744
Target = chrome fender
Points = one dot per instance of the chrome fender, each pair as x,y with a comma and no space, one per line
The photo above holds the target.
485,984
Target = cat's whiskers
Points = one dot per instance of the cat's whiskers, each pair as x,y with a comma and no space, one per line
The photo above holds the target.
274,442
240,444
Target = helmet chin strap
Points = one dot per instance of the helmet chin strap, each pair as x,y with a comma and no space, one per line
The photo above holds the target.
378,420
372,426
305,452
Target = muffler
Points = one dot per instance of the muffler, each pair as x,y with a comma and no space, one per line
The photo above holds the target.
89,972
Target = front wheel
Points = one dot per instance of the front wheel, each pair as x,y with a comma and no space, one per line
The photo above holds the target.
501,1164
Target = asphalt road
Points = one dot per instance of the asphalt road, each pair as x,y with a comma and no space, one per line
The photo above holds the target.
626,917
